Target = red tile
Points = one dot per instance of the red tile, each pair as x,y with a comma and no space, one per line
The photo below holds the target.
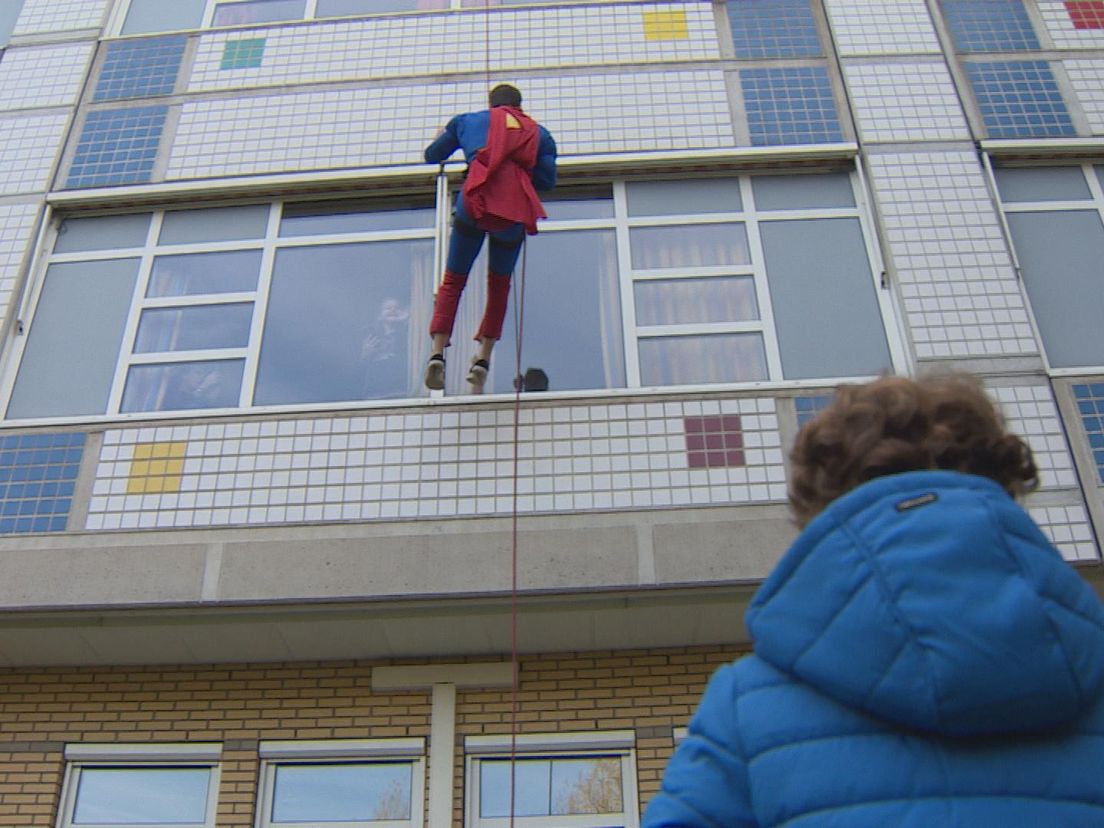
734,458
1086,14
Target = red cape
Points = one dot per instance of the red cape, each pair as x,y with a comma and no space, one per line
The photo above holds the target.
498,191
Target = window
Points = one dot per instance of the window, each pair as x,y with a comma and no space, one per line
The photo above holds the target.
9,14
349,783
628,285
115,785
1056,218
565,779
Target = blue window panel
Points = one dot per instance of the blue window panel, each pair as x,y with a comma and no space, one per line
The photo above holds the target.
773,28
1020,99
44,468
790,106
117,146
140,68
1090,401
809,407
989,25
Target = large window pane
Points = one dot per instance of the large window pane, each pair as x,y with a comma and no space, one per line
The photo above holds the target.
668,198
313,219
180,386
339,323
1060,256
694,360
551,787
689,245
74,340
225,224
696,301
532,796
193,328
571,316
102,233
1041,184
825,310
161,16
802,192
589,203
258,11
197,274
586,786
342,792
142,796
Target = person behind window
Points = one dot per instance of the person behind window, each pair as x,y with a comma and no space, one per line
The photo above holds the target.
923,655
509,156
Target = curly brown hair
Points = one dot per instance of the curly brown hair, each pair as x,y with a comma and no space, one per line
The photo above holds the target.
895,425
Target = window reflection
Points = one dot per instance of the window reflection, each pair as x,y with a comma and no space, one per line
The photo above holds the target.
188,329
141,796
354,792
314,218
551,787
348,8
258,11
688,245
195,274
180,386
695,301
693,360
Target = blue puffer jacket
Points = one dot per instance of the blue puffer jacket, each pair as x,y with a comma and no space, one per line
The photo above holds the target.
923,657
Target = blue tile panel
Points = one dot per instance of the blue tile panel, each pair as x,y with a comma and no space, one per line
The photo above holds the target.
790,106
38,474
809,407
1090,404
773,28
117,146
140,68
989,25
1020,99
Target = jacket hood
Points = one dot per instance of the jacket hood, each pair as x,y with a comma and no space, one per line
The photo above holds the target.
930,599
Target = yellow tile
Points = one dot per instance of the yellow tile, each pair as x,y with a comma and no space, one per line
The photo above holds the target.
666,25
157,468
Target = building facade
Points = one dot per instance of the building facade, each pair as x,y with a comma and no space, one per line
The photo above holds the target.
254,574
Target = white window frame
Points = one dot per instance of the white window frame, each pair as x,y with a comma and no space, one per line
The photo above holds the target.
1004,208
621,743
78,757
273,754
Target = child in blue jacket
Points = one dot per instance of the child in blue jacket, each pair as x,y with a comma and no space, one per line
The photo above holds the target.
923,655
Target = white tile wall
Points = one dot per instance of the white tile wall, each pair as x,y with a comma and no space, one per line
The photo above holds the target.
1031,412
379,127
42,76
906,102
1061,28
16,221
1068,528
444,43
1087,79
60,15
879,27
959,290
439,463
28,145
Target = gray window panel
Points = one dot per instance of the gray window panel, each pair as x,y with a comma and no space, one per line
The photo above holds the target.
146,16
672,198
351,217
223,224
258,11
565,205
348,8
9,14
342,792
571,315
182,386
339,323
696,301
695,360
198,274
1041,184
1100,176
532,796
74,339
1062,260
102,233
193,328
142,796
802,192
688,245
825,310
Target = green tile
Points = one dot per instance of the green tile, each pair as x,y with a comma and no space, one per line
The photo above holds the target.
243,54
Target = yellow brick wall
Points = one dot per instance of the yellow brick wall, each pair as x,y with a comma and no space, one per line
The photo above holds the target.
238,705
